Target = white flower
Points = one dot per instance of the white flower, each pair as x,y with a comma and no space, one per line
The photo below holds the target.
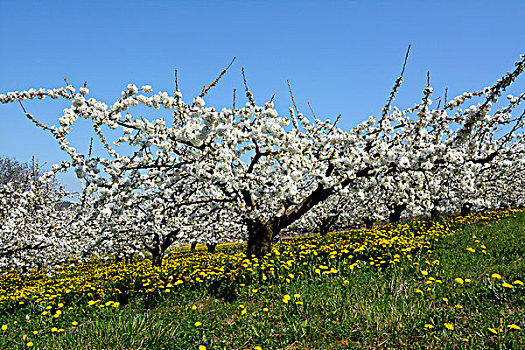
199,102
132,89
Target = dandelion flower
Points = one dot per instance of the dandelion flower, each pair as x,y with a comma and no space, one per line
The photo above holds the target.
449,326
30,344
424,273
202,347
507,285
496,276
459,280
518,282
514,326
429,326
4,327
198,324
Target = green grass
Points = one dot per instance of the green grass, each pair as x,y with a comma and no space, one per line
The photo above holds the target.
362,308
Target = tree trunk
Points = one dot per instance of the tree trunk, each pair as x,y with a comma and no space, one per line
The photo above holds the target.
434,213
323,230
193,247
395,215
368,223
259,238
465,209
156,258
211,247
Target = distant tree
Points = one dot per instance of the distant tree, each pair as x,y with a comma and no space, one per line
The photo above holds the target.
11,170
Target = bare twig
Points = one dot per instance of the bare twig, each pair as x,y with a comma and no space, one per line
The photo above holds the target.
234,99
291,94
90,148
36,122
311,109
248,93
206,89
176,81
399,80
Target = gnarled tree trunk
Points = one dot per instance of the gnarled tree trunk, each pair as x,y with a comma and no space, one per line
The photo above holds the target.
465,209
211,247
260,237
395,214
369,223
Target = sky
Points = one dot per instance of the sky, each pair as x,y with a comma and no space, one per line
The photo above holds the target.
340,56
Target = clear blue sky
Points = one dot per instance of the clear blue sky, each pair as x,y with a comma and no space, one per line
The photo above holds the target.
342,56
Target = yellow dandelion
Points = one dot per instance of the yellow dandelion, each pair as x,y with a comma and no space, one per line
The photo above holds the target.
496,276
424,273
459,280
449,326
202,347
514,326
30,344
507,285
198,324
429,326
518,282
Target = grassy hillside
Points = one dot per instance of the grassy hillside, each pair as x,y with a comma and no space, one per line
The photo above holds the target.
454,283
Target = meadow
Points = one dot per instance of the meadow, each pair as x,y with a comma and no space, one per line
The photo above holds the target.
450,283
